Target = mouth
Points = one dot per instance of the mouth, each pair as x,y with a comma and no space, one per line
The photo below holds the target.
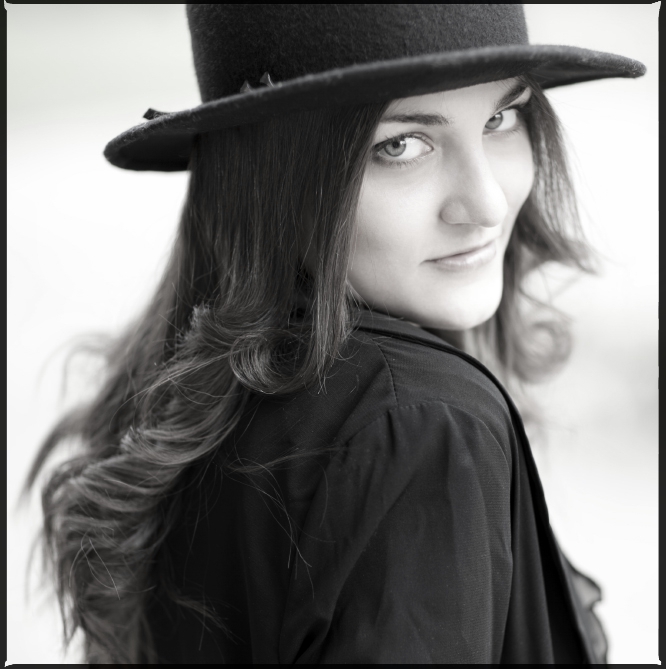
468,250
469,258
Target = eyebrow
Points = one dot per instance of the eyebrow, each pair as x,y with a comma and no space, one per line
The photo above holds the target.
437,119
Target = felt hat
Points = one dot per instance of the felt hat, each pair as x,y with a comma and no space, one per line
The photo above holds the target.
254,62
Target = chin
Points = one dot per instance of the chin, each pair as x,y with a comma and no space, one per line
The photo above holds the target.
456,323
456,308
460,317
462,324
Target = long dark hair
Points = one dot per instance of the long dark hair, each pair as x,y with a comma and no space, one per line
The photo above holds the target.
220,332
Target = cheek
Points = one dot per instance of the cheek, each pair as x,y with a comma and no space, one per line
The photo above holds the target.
514,171
387,222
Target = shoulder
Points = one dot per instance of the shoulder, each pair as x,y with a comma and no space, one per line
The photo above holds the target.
430,447
419,369
404,408
418,386
419,479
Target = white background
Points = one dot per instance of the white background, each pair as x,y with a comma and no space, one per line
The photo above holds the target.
87,242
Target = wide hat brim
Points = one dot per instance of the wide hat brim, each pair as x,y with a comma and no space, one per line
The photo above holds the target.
164,142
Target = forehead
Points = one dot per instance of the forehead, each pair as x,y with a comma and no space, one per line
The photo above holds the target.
482,96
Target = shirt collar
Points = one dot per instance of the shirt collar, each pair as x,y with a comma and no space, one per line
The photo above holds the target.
380,323
374,321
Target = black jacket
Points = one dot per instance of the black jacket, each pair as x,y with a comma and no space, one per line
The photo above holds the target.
414,531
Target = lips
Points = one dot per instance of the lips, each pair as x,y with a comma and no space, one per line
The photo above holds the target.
467,249
466,261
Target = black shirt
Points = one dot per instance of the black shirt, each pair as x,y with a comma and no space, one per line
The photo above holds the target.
413,530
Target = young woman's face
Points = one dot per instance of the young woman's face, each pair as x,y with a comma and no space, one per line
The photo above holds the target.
448,174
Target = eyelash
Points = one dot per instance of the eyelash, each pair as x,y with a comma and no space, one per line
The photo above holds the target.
522,112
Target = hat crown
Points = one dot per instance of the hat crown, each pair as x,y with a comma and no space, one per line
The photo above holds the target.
240,42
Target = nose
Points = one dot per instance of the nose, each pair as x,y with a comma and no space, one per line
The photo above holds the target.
472,195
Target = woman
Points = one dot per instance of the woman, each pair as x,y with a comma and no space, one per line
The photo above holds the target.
299,454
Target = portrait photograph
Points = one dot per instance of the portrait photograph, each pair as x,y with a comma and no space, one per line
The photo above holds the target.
332,333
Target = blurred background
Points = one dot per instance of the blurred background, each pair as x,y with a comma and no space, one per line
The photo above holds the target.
87,243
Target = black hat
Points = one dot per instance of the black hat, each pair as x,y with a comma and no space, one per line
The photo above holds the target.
254,62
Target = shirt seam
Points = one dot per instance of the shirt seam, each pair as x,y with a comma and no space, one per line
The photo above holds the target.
342,443
388,365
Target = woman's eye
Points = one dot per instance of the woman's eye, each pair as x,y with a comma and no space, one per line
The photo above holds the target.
508,118
405,147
